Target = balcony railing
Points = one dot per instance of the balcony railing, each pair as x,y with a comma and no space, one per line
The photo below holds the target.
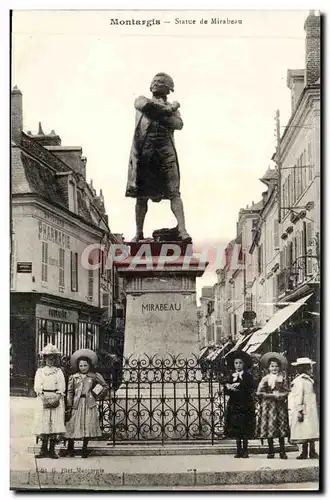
288,279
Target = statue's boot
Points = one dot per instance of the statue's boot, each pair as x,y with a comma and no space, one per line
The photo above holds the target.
185,237
138,237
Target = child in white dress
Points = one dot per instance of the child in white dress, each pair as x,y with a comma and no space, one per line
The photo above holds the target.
49,385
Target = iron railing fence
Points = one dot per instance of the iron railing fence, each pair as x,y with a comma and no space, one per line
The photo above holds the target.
162,400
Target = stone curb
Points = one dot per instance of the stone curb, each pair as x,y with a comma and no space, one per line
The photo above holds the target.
98,451
92,479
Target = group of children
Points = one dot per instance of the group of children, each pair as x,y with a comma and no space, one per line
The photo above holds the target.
284,412
78,419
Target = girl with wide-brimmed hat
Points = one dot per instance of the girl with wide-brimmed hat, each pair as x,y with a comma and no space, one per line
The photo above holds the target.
272,392
85,386
240,411
49,385
303,413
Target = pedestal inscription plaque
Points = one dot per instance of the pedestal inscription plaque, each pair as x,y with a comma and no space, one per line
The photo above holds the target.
161,310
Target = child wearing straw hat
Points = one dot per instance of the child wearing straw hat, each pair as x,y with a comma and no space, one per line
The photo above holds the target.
303,413
49,385
84,387
272,391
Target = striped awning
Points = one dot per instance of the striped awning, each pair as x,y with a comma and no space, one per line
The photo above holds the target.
273,324
215,354
240,343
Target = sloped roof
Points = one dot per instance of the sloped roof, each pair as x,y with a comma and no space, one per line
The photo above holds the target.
256,206
30,176
19,181
269,175
42,180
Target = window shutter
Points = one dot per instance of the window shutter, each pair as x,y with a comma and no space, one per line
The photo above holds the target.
302,253
90,283
289,191
301,171
275,291
309,248
310,162
290,254
305,170
44,262
74,272
276,234
105,300
281,260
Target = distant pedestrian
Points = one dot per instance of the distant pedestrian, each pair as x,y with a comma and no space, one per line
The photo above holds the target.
49,385
273,391
240,411
303,413
84,388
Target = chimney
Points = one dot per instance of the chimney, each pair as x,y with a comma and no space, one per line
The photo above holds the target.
312,27
83,166
295,81
16,114
45,140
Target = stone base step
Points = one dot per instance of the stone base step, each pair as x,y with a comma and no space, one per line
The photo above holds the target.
100,448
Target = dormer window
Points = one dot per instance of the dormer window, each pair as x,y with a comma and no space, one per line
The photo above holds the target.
72,196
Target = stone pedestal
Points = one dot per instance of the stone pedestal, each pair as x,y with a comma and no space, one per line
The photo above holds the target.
161,309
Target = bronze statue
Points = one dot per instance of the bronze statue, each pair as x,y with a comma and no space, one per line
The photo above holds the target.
153,171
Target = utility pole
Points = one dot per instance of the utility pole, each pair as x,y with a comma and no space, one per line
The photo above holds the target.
279,164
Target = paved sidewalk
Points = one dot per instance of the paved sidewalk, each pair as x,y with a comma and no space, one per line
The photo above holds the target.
193,471
161,471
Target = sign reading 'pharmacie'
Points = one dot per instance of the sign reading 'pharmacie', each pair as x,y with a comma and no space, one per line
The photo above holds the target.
161,307
48,231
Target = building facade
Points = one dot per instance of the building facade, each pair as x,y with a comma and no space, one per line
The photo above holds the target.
299,158
264,253
287,240
61,288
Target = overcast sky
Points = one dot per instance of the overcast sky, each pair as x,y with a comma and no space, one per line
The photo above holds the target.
80,75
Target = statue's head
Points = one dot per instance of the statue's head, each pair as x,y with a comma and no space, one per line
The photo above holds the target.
162,84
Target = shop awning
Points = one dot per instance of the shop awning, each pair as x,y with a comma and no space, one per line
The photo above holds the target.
240,343
203,352
215,354
273,324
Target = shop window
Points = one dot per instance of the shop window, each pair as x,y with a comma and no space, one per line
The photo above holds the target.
74,272
44,260
61,267
90,340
